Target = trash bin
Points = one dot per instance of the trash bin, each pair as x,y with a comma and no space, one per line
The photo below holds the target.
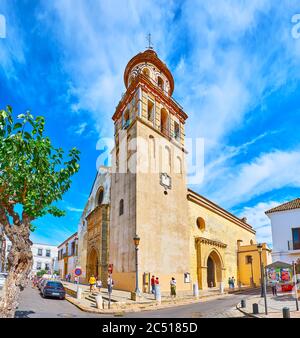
255,308
243,303
286,312
99,302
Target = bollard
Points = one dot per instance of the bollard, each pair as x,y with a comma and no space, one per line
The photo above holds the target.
221,287
99,302
255,308
157,294
243,303
79,291
195,290
286,312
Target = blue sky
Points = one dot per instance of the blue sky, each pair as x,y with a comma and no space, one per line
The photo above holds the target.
236,67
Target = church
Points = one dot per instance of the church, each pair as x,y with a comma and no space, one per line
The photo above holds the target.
144,194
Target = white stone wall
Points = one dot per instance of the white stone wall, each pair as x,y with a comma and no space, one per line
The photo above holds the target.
282,224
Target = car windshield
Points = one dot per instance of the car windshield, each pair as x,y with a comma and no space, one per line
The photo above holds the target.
55,284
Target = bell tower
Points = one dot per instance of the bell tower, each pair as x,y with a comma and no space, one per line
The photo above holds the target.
148,188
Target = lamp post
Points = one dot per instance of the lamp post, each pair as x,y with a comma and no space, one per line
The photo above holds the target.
263,278
295,282
136,240
259,247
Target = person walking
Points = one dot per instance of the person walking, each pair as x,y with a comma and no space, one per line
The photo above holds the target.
173,287
274,288
153,284
230,282
92,282
110,284
233,282
76,280
99,284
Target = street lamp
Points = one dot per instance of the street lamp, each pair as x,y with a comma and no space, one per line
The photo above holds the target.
136,240
259,248
262,277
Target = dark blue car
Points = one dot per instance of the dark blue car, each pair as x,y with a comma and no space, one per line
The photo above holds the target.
53,289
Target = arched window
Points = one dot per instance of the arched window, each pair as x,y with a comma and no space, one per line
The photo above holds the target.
121,207
126,119
146,72
178,168
160,83
164,122
200,223
100,196
130,79
167,159
152,146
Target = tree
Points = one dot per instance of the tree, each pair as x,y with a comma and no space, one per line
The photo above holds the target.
34,175
41,273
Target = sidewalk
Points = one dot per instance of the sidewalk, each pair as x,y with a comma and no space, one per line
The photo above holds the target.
121,300
275,304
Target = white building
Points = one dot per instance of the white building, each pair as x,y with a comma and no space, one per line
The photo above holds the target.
285,222
45,257
68,256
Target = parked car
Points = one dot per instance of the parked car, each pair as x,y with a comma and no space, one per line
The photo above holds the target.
53,288
3,276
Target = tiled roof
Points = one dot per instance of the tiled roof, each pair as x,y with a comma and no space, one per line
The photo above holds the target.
295,204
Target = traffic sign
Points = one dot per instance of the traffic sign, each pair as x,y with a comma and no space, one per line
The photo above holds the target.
78,271
110,268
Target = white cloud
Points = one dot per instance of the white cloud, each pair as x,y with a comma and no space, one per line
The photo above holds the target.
257,218
267,172
81,128
74,209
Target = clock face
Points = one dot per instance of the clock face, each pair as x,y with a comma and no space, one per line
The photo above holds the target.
165,180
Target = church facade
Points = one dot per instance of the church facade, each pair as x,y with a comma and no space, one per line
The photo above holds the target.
144,192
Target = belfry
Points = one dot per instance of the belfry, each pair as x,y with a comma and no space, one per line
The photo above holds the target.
144,192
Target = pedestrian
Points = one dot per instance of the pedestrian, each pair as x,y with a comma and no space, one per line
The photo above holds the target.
110,284
70,278
76,280
274,288
67,277
173,287
233,282
153,284
230,282
99,284
92,282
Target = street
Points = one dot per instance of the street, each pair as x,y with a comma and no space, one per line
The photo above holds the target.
32,305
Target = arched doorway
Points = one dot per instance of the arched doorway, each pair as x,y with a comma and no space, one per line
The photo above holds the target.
214,270
93,264
211,281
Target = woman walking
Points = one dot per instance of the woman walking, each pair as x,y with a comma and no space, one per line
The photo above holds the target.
173,287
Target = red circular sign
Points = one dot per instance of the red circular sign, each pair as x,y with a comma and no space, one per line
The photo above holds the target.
78,271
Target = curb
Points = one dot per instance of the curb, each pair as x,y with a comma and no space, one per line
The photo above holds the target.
152,307
247,314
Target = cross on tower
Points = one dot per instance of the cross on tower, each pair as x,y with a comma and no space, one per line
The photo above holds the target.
148,38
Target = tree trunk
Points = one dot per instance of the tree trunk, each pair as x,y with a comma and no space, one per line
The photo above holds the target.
3,250
19,266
